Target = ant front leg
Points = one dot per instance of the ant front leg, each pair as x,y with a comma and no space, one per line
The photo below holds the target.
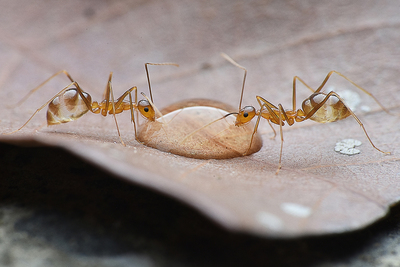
264,104
131,107
256,128
120,106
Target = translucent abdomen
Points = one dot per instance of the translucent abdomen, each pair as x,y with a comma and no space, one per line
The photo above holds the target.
67,107
332,110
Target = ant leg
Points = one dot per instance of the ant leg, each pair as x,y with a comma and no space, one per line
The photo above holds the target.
281,111
281,117
120,102
267,105
132,108
353,83
273,137
148,75
88,102
255,128
317,107
159,114
122,97
44,105
42,84
109,93
295,78
270,108
241,95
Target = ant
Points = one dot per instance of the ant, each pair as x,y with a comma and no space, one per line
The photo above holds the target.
319,106
72,102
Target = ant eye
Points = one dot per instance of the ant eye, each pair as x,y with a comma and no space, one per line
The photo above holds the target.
245,114
146,110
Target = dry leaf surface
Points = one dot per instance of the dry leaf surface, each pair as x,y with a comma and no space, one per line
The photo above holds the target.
318,191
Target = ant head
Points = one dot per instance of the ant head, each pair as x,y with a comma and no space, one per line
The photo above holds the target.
146,110
245,115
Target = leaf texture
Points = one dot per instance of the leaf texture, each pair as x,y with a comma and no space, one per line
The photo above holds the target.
318,191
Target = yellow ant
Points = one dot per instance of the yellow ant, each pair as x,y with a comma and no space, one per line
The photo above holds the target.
161,130
319,107
72,102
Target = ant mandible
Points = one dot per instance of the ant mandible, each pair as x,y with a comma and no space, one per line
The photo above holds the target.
319,107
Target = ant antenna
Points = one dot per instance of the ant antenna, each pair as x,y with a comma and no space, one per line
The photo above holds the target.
244,78
159,114
148,75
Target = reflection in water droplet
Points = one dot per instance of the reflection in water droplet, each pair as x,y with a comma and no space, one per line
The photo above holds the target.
178,132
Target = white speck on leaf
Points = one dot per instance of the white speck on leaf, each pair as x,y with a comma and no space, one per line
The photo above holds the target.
347,146
296,209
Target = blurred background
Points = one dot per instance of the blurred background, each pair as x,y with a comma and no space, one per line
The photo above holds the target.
274,40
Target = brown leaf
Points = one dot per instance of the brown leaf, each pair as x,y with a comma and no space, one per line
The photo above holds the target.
318,190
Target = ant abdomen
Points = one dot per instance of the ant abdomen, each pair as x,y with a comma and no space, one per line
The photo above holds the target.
330,107
67,107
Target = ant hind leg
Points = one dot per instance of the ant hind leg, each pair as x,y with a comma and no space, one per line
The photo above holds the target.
44,105
42,84
317,107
